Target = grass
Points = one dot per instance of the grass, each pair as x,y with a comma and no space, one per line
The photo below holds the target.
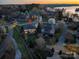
2,22
20,43
58,34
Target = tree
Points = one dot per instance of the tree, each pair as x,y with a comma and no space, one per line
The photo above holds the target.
29,7
31,40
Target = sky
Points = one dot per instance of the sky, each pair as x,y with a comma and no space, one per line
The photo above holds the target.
39,1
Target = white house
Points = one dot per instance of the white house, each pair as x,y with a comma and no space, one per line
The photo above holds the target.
52,21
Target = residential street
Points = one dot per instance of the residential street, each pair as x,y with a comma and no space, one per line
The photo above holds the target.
18,53
59,46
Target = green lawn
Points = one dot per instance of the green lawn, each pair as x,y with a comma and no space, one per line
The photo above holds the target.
58,34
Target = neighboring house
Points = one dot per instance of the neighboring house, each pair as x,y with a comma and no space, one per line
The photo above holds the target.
21,17
50,11
48,29
29,28
52,21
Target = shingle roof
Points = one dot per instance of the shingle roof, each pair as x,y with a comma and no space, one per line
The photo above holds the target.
28,26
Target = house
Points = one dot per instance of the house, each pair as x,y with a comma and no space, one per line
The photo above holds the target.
31,28
21,17
48,29
52,21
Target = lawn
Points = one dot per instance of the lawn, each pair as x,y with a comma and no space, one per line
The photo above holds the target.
58,34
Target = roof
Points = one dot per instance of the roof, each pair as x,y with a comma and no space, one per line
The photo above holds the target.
47,27
21,16
29,26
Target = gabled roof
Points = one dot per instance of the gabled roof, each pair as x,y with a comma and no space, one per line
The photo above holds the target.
29,26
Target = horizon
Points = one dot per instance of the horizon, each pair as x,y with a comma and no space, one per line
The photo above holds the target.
39,2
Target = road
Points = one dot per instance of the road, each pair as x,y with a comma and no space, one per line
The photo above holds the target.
59,46
18,54
3,46
2,49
